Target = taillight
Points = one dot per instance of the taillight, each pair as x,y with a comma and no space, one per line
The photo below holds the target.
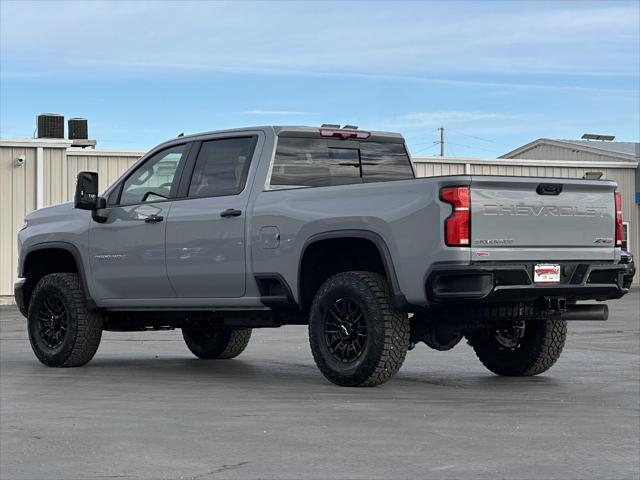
457,227
618,219
344,133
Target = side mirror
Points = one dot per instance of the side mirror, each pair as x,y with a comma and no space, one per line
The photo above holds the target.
86,197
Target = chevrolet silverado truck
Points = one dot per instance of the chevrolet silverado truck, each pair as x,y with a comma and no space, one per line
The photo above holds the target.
219,233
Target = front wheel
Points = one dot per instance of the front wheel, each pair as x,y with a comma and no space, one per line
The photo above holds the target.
62,331
208,342
524,348
357,337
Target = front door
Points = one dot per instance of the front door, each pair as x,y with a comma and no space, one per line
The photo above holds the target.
127,252
206,230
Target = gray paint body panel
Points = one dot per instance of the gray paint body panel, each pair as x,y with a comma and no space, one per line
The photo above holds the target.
406,215
127,255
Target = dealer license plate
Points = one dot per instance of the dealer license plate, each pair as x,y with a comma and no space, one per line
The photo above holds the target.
546,273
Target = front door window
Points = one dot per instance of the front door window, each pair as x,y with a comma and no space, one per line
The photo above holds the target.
152,181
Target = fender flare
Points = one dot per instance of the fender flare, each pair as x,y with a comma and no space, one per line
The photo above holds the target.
399,300
75,252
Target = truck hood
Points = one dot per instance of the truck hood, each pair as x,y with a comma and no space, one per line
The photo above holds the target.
53,212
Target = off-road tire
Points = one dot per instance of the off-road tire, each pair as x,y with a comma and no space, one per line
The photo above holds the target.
538,349
83,327
209,343
387,337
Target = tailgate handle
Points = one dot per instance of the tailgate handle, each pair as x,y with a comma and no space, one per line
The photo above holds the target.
549,189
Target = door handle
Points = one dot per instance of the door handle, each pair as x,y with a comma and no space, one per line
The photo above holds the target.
153,218
231,212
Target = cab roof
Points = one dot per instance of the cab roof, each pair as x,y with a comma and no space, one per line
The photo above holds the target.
299,131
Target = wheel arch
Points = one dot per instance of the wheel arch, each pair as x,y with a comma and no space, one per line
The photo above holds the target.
373,238
38,262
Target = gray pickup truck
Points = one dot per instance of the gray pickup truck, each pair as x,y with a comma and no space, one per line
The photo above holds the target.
223,232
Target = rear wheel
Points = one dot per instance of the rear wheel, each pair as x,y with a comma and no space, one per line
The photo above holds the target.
62,332
357,337
209,342
524,348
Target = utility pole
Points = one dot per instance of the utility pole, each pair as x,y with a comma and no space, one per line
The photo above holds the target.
441,141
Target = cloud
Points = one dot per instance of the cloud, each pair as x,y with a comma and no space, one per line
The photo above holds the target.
104,67
429,39
448,117
276,112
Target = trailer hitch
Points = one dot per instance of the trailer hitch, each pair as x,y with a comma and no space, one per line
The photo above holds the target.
556,304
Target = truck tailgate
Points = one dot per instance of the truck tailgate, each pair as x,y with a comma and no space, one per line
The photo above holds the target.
530,218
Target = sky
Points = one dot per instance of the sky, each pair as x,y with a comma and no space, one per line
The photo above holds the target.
494,75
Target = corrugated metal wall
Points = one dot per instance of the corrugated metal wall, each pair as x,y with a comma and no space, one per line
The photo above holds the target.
438,169
17,198
56,176
18,189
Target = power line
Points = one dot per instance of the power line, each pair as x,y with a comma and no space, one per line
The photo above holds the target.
424,143
479,138
427,148
442,142
472,148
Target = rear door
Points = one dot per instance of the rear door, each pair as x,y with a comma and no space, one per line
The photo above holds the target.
516,218
206,250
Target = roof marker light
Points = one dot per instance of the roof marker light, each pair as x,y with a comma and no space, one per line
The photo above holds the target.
344,133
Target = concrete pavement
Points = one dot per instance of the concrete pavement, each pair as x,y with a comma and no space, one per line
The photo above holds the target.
144,408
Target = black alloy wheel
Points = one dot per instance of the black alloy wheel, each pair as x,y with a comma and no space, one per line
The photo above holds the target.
53,321
357,337
345,330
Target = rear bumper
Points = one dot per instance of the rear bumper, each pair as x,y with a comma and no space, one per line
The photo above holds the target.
508,282
18,292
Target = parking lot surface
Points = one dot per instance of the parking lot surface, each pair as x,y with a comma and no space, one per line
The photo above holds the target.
144,408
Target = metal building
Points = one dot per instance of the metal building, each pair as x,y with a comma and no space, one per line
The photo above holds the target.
41,172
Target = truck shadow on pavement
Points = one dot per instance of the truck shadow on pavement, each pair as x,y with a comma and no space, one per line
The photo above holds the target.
270,374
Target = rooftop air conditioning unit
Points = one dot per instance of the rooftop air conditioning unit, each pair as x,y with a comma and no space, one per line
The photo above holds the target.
50,125
78,129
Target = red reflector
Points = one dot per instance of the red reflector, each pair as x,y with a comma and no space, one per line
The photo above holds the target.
619,229
457,227
344,133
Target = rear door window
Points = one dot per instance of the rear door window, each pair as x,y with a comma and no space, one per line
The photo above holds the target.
221,167
310,162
